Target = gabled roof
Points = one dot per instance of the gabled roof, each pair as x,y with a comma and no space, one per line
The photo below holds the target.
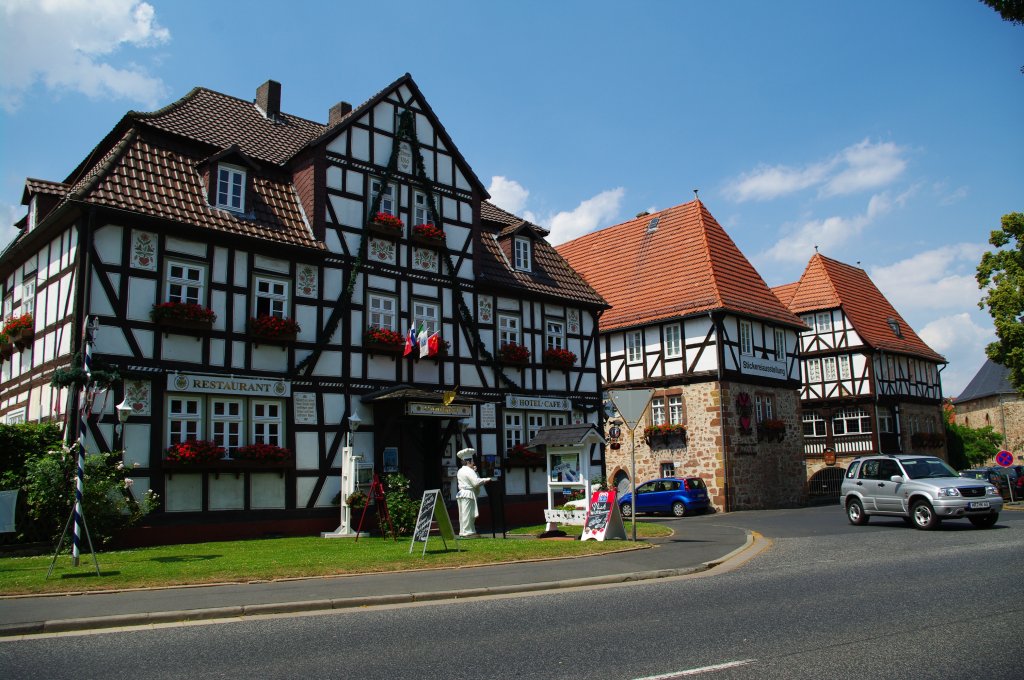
685,265
42,186
991,380
551,275
830,284
566,435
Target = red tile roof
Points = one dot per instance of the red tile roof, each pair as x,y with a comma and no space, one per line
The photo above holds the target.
828,284
687,265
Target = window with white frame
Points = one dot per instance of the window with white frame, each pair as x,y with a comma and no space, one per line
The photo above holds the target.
227,423
557,419
673,341
851,421
387,198
508,330
513,429
823,322
844,368
231,187
270,297
828,365
667,470
814,370
184,419
758,408
780,344
186,283
534,421
28,294
427,315
382,311
746,338
554,334
885,421
808,319
267,422
675,409
15,417
522,256
634,346
421,209
658,411
814,424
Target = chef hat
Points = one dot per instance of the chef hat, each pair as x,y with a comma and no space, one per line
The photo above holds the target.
465,454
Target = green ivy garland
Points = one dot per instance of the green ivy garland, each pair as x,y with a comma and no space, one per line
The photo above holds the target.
103,375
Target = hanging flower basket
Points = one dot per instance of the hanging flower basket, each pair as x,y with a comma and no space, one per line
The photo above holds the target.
193,452
6,346
559,358
273,329
20,330
383,340
428,235
183,316
386,225
512,354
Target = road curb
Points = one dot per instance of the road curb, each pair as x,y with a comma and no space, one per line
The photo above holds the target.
754,544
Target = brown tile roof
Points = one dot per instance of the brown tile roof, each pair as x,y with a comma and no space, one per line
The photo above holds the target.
828,284
687,265
551,275
163,182
42,186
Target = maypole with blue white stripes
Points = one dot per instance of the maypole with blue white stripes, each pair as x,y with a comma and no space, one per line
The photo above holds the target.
85,406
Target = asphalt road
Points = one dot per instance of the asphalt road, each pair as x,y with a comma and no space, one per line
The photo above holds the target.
827,600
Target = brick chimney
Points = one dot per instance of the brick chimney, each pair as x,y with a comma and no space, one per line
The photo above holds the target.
337,112
268,98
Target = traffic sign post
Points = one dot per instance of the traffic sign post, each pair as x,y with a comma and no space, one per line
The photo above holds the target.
1005,459
631,405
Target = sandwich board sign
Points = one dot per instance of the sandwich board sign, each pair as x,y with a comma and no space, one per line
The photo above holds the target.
432,509
603,518
631,404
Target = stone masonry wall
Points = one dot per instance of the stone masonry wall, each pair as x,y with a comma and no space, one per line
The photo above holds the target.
1007,419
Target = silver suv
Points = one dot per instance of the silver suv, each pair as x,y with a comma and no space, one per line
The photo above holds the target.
923,490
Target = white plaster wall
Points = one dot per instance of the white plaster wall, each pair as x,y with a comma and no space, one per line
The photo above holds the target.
348,211
183,493
339,145
98,301
227,491
381,149
219,271
107,240
307,450
178,245
141,298
334,177
181,348
272,264
136,444
266,491
270,358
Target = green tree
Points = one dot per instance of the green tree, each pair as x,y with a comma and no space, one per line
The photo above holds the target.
973,445
1001,276
1010,10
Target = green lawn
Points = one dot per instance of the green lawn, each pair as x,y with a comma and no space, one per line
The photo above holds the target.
279,558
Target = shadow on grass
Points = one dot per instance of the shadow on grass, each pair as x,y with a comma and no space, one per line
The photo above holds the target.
172,559
90,574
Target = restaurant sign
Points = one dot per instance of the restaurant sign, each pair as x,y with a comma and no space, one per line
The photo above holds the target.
418,408
227,384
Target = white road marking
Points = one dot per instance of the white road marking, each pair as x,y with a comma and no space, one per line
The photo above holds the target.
698,671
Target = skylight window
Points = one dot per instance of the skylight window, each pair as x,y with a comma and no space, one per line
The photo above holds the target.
652,225
895,326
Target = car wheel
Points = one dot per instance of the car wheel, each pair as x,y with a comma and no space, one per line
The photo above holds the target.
855,513
985,521
626,509
923,516
679,509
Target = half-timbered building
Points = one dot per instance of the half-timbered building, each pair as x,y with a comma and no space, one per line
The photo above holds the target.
692,319
271,288
870,384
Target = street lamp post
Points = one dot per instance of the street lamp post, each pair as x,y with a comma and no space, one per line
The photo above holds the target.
124,409
347,483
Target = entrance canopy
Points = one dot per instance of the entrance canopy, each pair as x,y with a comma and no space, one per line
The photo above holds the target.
418,402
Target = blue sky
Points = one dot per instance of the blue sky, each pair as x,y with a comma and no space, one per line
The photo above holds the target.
885,133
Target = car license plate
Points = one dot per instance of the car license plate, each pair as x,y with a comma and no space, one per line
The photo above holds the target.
978,505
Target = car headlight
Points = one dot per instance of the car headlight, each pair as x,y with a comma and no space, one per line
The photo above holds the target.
949,491
991,490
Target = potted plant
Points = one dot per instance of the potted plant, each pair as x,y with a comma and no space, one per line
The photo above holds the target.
20,330
513,354
356,500
555,357
262,453
386,225
193,452
183,315
383,340
275,329
428,234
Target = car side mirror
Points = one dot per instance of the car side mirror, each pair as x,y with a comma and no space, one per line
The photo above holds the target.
896,479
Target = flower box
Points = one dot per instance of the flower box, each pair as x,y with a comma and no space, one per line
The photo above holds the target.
262,453
20,330
273,330
386,225
193,453
427,235
183,316
663,433
512,354
559,358
383,340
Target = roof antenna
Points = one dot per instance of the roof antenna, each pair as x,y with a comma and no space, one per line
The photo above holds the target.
815,247
695,194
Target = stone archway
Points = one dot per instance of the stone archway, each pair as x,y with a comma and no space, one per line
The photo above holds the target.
824,485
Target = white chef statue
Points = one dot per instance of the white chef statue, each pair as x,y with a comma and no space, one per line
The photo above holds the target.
469,489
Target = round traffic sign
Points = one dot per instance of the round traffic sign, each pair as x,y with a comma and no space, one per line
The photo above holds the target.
1004,458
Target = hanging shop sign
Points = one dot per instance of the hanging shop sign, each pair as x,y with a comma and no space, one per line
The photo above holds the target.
219,384
765,368
519,401
418,408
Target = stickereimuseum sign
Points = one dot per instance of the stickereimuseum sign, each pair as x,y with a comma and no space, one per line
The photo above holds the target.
766,368
219,384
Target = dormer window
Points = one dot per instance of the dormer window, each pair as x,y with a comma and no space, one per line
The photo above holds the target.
231,188
895,326
522,254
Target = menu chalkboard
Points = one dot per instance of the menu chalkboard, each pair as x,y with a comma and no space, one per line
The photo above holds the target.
432,508
603,519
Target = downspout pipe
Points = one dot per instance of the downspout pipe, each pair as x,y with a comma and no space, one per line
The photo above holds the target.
721,415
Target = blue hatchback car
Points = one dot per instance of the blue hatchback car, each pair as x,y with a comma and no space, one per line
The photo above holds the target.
676,495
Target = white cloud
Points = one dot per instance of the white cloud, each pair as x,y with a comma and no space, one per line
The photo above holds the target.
862,166
941,278
62,43
962,342
508,194
952,197
594,212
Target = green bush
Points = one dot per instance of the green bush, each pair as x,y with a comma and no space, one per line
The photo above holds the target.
20,444
402,508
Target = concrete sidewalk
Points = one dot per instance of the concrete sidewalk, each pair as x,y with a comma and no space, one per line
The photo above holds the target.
698,544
